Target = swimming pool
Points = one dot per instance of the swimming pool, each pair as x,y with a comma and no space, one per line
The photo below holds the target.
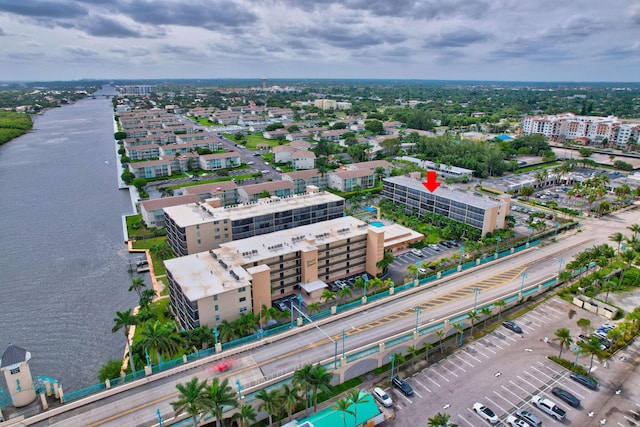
377,223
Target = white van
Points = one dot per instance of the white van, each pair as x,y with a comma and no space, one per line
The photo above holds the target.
382,397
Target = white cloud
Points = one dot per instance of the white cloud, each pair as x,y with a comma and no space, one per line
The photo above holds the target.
417,39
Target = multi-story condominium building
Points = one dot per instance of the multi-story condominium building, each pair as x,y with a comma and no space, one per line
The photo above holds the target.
240,276
151,168
480,212
349,180
225,191
142,152
304,178
198,227
253,192
152,210
137,89
219,161
451,171
327,104
568,126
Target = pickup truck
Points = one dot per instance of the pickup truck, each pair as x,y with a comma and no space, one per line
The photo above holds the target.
549,407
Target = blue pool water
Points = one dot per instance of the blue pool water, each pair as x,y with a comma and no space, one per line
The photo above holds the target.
377,223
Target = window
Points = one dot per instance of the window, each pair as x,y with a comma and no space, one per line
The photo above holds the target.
243,309
242,299
215,297
215,307
14,371
242,289
217,317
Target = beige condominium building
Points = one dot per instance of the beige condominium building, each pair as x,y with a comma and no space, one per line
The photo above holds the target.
240,276
198,227
484,213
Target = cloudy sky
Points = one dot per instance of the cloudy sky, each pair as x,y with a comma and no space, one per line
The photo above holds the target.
526,40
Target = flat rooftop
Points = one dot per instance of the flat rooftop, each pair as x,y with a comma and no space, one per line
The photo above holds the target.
469,198
209,273
198,213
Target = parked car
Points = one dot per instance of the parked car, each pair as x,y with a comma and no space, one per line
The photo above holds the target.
403,386
584,380
265,171
422,271
486,413
549,407
512,326
531,419
381,396
435,247
251,163
417,252
515,421
564,395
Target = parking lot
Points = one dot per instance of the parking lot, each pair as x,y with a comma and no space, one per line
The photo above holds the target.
503,370
398,269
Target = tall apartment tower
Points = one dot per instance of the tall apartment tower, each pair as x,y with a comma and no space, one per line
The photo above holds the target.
264,82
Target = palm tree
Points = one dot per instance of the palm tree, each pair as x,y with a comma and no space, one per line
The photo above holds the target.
220,394
267,314
156,337
426,346
441,335
356,396
226,331
290,395
301,379
161,251
146,298
192,400
124,320
320,380
247,414
473,316
635,228
343,405
500,304
413,351
591,347
328,296
345,293
314,307
439,420
486,313
270,402
459,327
563,336
137,284
617,238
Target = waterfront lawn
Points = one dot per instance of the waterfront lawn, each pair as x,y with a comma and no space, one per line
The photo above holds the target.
158,265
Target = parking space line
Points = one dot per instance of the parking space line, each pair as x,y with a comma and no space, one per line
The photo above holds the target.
505,399
531,384
431,379
549,368
405,398
476,414
467,352
463,360
501,348
442,376
501,408
479,352
444,367
542,373
454,364
527,327
510,337
520,387
631,420
487,347
535,378
425,387
419,395
461,418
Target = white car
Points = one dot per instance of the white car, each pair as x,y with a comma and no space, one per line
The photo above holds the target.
514,421
486,413
417,252
381,396
251,163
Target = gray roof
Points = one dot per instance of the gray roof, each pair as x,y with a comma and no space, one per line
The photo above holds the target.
14,355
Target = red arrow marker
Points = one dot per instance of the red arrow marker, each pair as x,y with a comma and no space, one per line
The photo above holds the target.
431,183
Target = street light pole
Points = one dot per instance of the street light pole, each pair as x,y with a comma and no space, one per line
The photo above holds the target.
344,336
529,236
160,419
524,276
498,240
555,234
560,262
239,388
476,291
392,357
461,252
418,311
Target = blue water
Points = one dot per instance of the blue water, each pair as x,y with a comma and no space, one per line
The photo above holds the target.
377,223
64,262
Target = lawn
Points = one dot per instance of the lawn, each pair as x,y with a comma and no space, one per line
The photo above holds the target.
252,141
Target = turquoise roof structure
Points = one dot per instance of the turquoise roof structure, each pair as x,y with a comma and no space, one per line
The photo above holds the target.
333,418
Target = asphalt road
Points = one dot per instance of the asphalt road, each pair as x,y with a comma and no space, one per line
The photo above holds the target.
138,407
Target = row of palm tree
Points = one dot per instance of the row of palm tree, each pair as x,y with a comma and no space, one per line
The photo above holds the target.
197,398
